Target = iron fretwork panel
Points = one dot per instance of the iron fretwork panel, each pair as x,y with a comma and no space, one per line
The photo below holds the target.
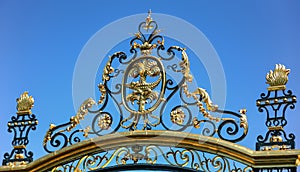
150,89
21,125
148,155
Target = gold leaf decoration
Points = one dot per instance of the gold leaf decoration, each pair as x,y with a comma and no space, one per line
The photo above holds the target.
105,122
24,103
81,113
278,78
177,116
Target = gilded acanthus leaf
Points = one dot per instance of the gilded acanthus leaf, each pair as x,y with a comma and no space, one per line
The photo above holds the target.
206,99
74,121
243,120
82,111
106,76
185,66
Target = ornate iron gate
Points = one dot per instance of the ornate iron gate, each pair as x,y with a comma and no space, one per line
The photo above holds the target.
145,119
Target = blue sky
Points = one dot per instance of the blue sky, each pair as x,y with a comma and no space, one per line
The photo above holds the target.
40,43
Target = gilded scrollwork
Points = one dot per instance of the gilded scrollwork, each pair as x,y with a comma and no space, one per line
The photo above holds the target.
185,65
54,132
144,76
152,154
137,92
82,111
106,75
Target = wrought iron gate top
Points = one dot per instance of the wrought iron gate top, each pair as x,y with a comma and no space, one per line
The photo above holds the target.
148,98
144,111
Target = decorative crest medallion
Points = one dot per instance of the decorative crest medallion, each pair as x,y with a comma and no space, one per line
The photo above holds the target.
24,103
143,92
149,74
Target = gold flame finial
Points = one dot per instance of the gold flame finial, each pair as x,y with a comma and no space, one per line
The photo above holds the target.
24,103
277,78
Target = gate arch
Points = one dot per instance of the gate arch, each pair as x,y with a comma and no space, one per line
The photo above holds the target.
139,123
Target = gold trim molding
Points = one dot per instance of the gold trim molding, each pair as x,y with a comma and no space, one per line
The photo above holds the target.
255,159
20,147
